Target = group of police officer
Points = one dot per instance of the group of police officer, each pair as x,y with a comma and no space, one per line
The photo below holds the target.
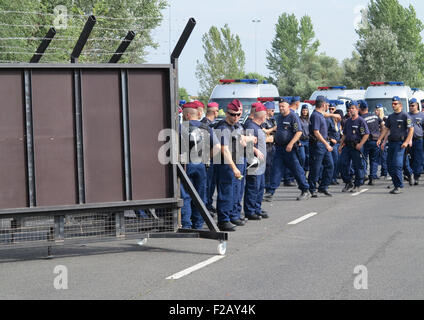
247,162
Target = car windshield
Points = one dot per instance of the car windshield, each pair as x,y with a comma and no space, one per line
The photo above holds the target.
387,105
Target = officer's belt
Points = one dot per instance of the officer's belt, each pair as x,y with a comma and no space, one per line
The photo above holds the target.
396,140
415,139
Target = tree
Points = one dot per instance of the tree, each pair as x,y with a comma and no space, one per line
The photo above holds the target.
296,67
182,92
224,58
351,74
381,59
31,19
398,46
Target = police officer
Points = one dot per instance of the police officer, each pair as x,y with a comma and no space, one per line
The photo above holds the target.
209,119
379,111
287,154
355,135
334,136
415,168
304,139
197,138
401,132
269,127
228,170
371,149
255,176
319,150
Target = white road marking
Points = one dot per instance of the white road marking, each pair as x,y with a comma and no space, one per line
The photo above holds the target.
358,193
309,215
196,267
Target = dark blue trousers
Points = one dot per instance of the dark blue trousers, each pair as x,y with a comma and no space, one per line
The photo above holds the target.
352,156
253,194
319,156
225,188
395,162
415,166
287,160
210,186
238,186
372,152
190,215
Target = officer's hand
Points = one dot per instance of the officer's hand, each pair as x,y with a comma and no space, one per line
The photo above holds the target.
260,156
382,146
329,148
289,148
404,145
337,116
333,141
340,149
358,147
237,173
378,142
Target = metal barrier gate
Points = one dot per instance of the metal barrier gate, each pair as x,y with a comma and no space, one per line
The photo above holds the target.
79,154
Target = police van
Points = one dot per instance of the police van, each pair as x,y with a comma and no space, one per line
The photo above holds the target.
246,90
417,94
339,93
383,92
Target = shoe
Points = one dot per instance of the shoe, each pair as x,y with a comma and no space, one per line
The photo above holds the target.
268,197
326,192
289,184
314,194
395,191
212,209
407,178
238,222
305,195
411,181
263,211
355,189
254,217
226,226
263,215
366,179
417,182
371,182
347,187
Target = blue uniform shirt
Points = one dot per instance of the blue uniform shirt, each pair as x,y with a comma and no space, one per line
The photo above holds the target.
354,130
399,124
317,122
374,125
305,129
334,129
287,127
417,121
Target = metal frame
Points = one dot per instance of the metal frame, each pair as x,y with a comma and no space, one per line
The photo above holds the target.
176,170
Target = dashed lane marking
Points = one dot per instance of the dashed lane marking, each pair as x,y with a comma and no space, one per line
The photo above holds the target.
358,193
196,267
301,219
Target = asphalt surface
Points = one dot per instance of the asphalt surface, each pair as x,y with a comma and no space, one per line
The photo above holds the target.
268,259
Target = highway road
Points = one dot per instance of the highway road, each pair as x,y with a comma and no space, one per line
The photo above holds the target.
364,246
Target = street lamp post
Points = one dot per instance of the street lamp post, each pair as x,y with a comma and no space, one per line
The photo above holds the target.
255,21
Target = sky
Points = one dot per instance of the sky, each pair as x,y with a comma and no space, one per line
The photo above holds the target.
334,25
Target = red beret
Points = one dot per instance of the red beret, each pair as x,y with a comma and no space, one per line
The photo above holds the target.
199,104
235,105
258,106
191,105
213,105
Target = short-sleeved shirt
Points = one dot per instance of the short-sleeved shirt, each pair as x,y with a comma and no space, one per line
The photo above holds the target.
257,131
417,121
399,125
207,121
230,136
374,125
355,129
305,128
269,124
317,122
334,129
287,127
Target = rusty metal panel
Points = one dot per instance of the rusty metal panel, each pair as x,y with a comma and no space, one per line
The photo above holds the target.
102,136
54,138
13,185
148,111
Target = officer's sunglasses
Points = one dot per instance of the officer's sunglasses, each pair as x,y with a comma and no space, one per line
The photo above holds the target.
234,114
